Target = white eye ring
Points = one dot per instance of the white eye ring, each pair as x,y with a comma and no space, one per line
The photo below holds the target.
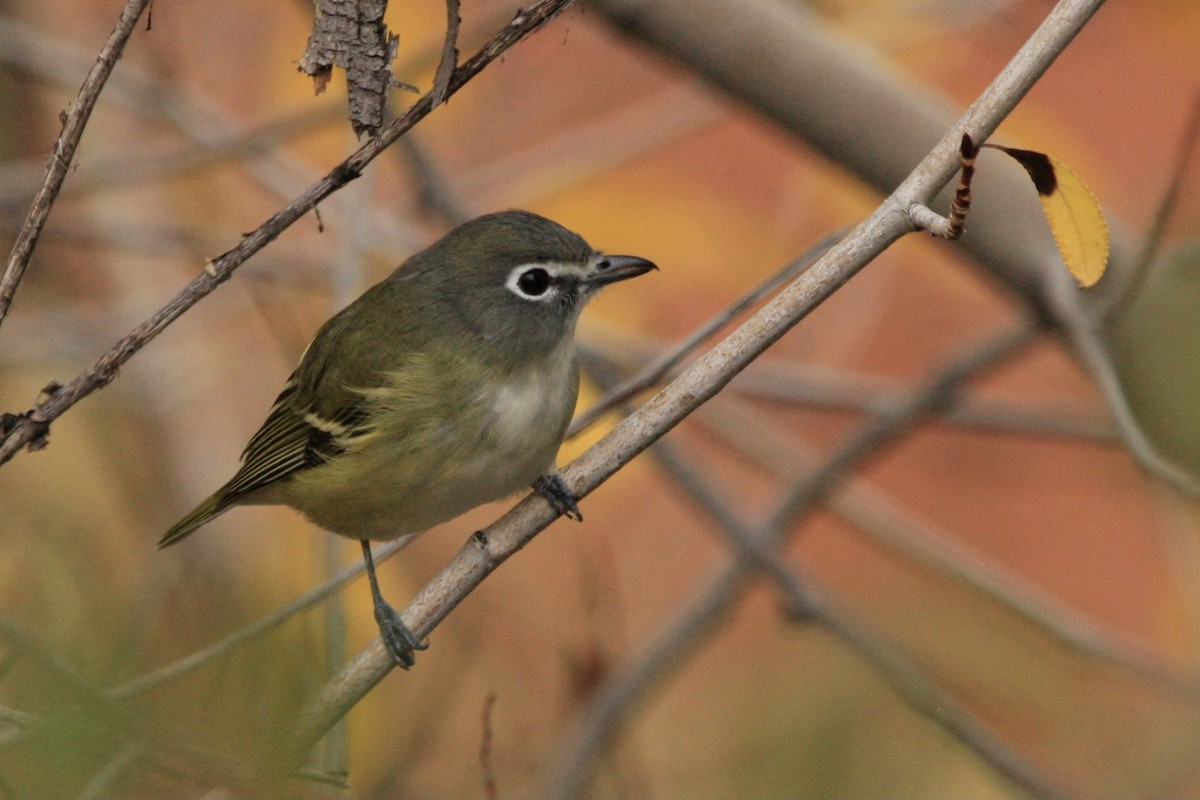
533,282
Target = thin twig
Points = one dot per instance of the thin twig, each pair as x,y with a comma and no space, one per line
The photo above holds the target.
441,80
833,389
141,166
74,122
102,783
433,193
952,225
487,771
252,631
653,373
1168,204
683,635
489,548
920,541
31,427
927,698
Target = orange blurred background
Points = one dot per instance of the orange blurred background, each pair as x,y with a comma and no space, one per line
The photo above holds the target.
600,134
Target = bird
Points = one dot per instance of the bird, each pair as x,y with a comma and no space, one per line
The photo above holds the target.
447,385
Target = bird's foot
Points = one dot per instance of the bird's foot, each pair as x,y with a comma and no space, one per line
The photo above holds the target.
400,641
559,495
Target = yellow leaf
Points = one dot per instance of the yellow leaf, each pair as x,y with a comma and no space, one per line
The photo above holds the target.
1074,214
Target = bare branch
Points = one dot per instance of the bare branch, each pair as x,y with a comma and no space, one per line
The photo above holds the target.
351,34
921,542
31,426
268,623
1167,205
712,603
101,784
653,373
827,388
489,548
441,81
796,60
486,771
74,122
928,699
787,81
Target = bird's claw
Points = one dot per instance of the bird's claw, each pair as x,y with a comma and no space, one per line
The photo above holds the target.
559,495
399,640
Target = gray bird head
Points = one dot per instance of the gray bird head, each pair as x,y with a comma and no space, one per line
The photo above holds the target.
519,280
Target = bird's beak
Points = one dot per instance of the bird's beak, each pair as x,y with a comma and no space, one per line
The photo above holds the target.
610,269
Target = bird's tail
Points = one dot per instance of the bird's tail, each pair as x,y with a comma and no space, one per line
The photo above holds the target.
210,508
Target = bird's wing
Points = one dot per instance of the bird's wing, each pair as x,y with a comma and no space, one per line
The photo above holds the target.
323,407
295,437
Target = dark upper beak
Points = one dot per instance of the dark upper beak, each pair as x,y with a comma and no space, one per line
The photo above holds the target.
610,269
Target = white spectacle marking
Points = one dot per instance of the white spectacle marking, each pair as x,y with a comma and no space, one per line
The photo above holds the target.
553,270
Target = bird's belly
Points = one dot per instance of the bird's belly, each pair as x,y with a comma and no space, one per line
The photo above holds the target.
493,449
404,503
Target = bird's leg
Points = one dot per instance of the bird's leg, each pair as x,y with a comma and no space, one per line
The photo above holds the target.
400,641
552,487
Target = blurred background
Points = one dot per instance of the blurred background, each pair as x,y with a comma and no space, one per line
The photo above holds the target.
206,129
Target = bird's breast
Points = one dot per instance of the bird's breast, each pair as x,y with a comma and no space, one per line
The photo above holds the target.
528,407
479,444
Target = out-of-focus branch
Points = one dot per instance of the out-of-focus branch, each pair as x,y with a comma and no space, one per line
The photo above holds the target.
614,700
703,379
1152,242
927,698
801,77
193,116
101,784
808,605
831,389
74,121
655,371
845,101
113,172
922,543
31,427
252,631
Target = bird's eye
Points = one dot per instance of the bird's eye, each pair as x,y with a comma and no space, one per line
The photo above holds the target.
533,282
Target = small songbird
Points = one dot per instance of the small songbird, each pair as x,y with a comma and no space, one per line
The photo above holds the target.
448,385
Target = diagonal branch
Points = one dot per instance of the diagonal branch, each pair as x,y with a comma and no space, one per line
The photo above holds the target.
921,542
74,122
31,427
270,622
788,81
755,549
658,368
487,549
